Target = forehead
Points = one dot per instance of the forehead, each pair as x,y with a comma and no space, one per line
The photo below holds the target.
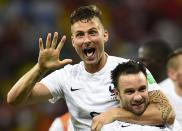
85,25
132,80
179,61
180,57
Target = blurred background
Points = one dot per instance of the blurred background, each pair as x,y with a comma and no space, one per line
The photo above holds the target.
22,22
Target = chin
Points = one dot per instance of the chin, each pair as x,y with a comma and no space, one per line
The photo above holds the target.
91,62
138,112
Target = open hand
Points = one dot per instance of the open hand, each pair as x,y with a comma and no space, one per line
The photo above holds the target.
49,56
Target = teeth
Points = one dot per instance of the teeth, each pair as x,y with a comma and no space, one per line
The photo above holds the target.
89,54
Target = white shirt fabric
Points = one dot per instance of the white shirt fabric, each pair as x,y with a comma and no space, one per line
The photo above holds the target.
167,86
123,126
86,94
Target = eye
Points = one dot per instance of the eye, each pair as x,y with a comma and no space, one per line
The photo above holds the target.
79,34
142,89
129,91
92,32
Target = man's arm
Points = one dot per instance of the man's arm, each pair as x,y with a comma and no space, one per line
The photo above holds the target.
27,90
161,103
159,111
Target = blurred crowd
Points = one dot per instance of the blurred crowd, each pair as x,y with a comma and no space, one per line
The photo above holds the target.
130,23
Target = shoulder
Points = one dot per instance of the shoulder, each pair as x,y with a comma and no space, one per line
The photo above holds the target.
117,59
71,69
113,61
167,84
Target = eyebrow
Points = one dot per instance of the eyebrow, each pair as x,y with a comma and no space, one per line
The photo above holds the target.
93,28
141,87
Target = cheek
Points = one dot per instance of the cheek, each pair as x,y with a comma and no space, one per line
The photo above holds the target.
77,47
179,78
77,42
145,97
95,39
125,100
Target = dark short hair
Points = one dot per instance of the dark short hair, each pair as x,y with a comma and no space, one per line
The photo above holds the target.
86,13
158,49
130,67
175,53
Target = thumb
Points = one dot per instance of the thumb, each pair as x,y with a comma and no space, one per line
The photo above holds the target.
65,61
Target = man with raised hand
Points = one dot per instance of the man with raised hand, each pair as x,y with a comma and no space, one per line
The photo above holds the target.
85,86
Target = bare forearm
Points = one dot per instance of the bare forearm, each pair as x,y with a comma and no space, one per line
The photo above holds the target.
23,87
162,105
151,116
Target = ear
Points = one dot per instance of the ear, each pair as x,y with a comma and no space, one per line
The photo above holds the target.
106,35
171,74
72,41
116,92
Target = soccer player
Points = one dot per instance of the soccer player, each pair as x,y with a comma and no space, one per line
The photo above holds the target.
131,90
172,86
85,86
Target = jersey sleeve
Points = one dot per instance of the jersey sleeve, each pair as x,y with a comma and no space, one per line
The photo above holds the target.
152,84
55,82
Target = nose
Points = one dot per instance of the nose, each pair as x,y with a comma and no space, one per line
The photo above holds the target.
86,38
137,97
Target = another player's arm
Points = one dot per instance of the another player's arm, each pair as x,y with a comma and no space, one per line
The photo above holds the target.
159,111
27,90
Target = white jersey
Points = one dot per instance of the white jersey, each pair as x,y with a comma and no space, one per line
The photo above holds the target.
167,86
123,126
86,94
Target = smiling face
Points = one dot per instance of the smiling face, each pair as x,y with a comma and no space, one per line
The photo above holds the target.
88,39
133,93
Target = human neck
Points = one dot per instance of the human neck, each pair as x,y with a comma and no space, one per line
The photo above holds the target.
92,68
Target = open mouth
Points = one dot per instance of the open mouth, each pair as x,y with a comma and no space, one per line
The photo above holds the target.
89,51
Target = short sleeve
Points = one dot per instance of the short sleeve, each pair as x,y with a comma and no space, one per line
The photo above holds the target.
55,85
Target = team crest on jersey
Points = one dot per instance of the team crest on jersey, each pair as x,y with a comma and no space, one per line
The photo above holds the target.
111,90
112,94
